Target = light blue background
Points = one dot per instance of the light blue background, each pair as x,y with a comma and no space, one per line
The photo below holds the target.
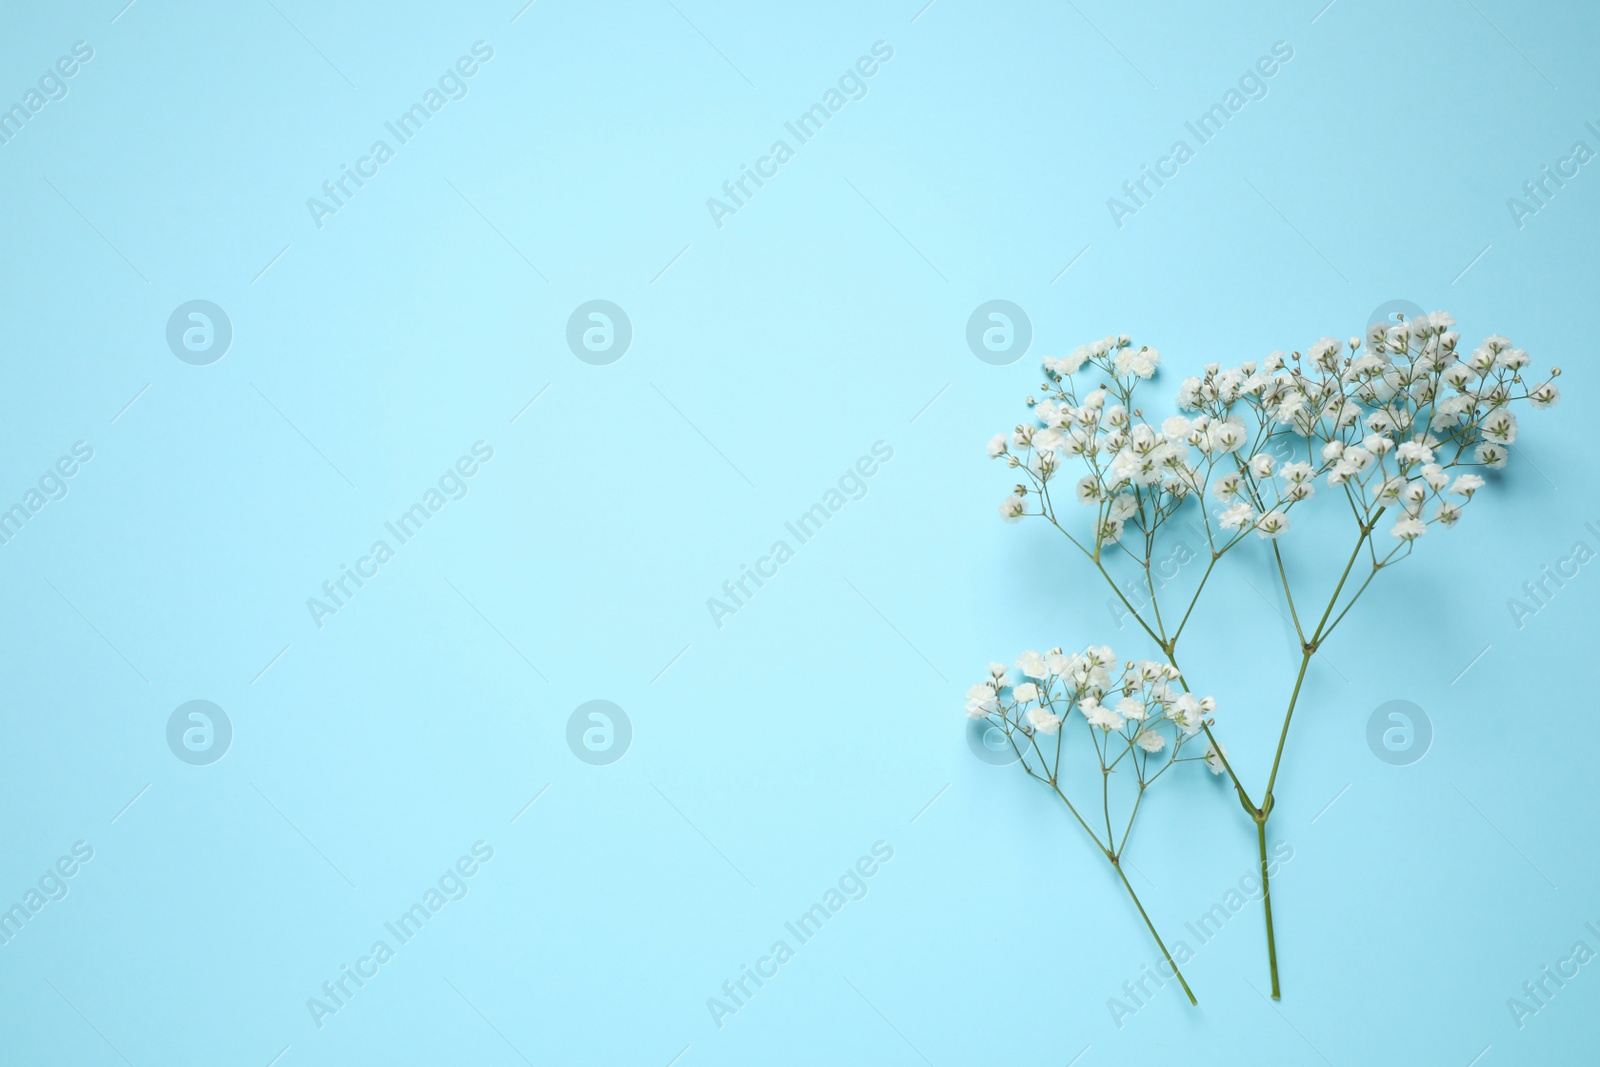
769,354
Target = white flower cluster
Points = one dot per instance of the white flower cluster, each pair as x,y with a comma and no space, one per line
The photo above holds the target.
1398,422
1382,421
1137,706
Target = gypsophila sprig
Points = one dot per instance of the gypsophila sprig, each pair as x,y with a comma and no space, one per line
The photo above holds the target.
1137,727
1396,428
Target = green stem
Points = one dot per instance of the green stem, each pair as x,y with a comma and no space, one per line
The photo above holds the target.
1117,866
1168,646
1131,816
1366,532
1284,577
1309,649
1194,599
1266,900
1283,735
1152,927
1244,795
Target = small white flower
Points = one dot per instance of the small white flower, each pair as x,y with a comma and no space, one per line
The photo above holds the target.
1151,741
1237,517
981,701
1412,495
1025,692
1148,670
1032,665
1261,465
1364,367
1544,396
1189,713
1381,422
1500,428
1141,363
1226,487
1342,414
997,446
1289,408
1415,452
1409,528
1060,666
1296,473
1130,708
1271,525
1049,440
1103,717
1044,720
1491,456
1226,436
1466,485
1356,459
1214,762
1011,508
